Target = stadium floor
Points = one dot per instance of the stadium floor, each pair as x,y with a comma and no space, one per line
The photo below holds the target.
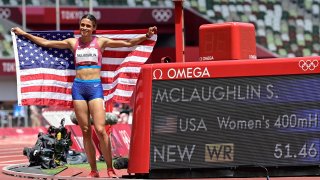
11,154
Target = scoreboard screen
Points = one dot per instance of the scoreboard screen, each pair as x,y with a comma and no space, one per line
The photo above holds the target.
222,114
219,122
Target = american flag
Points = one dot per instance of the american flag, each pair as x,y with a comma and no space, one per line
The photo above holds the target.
45,75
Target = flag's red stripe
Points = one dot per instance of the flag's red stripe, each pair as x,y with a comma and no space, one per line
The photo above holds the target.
109,80
46,77
121,99
114,67
148,43
115,54
48,102
123,54
145,42
120,87
54,89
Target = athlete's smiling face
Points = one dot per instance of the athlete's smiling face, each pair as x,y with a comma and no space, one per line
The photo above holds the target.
87,27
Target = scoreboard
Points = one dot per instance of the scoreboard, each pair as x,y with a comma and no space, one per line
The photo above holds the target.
226,114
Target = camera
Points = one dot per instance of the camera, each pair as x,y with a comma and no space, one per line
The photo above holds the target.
51,149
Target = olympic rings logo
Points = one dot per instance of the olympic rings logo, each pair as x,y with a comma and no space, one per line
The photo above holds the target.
5,13
308,64
162,15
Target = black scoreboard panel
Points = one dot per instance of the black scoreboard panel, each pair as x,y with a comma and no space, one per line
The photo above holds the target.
227,122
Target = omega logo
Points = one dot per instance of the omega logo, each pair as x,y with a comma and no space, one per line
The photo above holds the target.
157,74
182,73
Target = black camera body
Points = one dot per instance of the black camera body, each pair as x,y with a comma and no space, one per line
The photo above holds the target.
51,149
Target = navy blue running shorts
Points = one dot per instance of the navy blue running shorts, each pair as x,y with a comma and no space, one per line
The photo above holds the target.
87,89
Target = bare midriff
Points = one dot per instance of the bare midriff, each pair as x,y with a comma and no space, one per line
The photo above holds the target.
88,73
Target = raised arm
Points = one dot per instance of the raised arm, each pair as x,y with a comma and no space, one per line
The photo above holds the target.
64,44
128,43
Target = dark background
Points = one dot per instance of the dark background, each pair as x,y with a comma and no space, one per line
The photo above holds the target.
295,96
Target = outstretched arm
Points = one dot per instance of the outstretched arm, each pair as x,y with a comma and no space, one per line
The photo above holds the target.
129,43
64,44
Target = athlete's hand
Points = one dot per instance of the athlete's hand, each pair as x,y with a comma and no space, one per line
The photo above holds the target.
151,31
18,31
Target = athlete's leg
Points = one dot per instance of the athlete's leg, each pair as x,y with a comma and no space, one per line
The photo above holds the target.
98,114
82,114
